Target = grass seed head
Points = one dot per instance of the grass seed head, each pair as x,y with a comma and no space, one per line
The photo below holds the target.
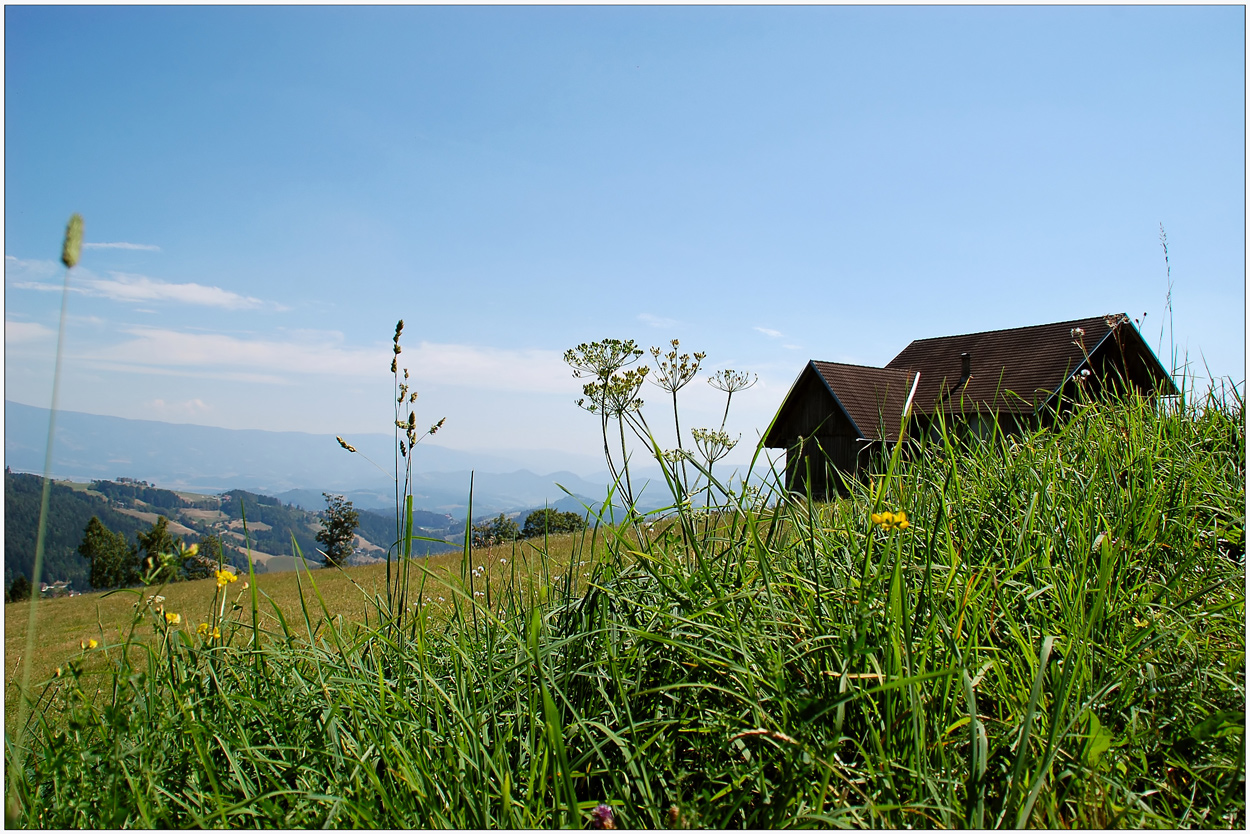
72,247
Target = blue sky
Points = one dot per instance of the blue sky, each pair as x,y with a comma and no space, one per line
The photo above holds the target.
266,190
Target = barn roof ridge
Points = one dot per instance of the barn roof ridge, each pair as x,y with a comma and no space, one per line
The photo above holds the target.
1011,373
858,365
1075,322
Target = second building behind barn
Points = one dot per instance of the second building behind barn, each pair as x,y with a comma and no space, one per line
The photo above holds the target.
836,415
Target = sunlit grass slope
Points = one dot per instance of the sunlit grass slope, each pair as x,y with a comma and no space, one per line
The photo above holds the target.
1056,637
65,623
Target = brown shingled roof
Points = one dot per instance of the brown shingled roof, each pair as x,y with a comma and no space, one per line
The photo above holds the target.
1013,370
872,397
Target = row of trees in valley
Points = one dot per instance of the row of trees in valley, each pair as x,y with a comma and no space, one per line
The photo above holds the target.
126,492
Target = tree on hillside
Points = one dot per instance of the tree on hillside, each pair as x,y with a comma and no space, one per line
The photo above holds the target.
204,561
19,590
338,529
501,529
160,548
114,563
69,511
551,522
210,549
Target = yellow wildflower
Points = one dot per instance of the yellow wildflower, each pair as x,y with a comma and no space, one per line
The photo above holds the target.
89,644
889,521
203,631
172,618
225,577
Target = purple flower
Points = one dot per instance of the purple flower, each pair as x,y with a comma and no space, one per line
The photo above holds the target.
601,818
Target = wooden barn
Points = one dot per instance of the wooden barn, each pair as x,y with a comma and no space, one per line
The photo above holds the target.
837,416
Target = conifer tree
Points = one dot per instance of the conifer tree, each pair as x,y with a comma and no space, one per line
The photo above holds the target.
338,531
113,562
19,590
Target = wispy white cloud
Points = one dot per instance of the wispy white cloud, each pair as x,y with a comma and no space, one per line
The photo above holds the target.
20,332
325,353
269,380
184,408
126,287
657,321
491,368
217,352
18,269
122,286
769,332
146,247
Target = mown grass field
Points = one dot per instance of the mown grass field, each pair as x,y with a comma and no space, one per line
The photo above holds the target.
1056,637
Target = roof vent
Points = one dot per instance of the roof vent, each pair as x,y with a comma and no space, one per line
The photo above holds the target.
965,365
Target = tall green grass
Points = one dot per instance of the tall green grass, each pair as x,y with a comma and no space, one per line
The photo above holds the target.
1056,639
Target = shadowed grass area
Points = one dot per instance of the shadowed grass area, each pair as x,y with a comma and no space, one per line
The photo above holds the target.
1055,638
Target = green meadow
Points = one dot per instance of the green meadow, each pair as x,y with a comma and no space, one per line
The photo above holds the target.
1054,638
65,623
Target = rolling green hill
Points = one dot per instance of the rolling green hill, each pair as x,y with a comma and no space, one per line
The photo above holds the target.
130,507
69,510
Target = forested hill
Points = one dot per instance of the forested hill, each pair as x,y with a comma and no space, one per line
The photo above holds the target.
127,507
69,510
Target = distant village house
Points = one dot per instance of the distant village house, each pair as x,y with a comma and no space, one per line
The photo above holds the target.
57,589
836,416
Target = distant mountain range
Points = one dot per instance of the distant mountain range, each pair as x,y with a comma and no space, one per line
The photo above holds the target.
293,466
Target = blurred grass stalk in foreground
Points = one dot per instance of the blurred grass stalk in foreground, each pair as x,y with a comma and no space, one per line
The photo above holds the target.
71,250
